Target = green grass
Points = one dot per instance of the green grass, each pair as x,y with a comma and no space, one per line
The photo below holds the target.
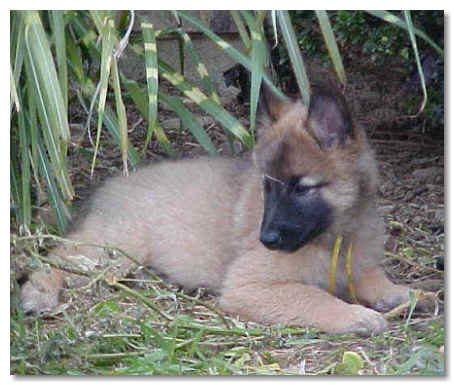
107,331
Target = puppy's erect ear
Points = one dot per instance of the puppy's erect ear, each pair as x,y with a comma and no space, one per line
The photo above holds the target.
329,117
271,108
269,104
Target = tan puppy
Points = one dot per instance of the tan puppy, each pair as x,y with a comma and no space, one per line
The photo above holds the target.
260,233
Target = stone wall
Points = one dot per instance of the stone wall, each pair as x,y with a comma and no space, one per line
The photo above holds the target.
215,60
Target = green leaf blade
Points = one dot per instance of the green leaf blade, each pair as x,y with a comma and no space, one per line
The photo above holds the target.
393,19
294,54
331,44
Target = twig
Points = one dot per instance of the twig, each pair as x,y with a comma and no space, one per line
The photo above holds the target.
411,263
75,243
110,356
191,299
59,266
113,282
398,310
419,295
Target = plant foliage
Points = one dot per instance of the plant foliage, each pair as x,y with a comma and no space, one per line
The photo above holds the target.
53,54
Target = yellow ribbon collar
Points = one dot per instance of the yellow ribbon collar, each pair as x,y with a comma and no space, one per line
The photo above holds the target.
348,268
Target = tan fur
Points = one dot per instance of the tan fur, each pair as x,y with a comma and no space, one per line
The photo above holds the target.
198,221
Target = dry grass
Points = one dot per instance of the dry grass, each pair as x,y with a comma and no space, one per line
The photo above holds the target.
110,328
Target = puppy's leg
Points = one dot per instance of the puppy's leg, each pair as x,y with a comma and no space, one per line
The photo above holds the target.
296,303
40,293
375,290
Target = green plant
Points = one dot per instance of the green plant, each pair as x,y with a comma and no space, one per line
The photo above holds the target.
52,53
373,38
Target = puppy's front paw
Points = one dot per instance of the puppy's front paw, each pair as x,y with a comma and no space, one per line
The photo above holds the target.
37,297
399,295
363,321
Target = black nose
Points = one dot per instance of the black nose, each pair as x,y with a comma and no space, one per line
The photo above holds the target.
271,239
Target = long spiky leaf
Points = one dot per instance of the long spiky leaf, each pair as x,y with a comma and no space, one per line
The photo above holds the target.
229,49
106,60
41,55
58,33
242,30
205,79
151,67
121,114
46,90
295,55
190,122
259,55
56,200
14,96
331,44
24,147
194,93
414,45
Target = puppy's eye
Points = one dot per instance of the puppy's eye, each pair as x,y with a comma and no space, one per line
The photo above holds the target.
306,184
301,189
